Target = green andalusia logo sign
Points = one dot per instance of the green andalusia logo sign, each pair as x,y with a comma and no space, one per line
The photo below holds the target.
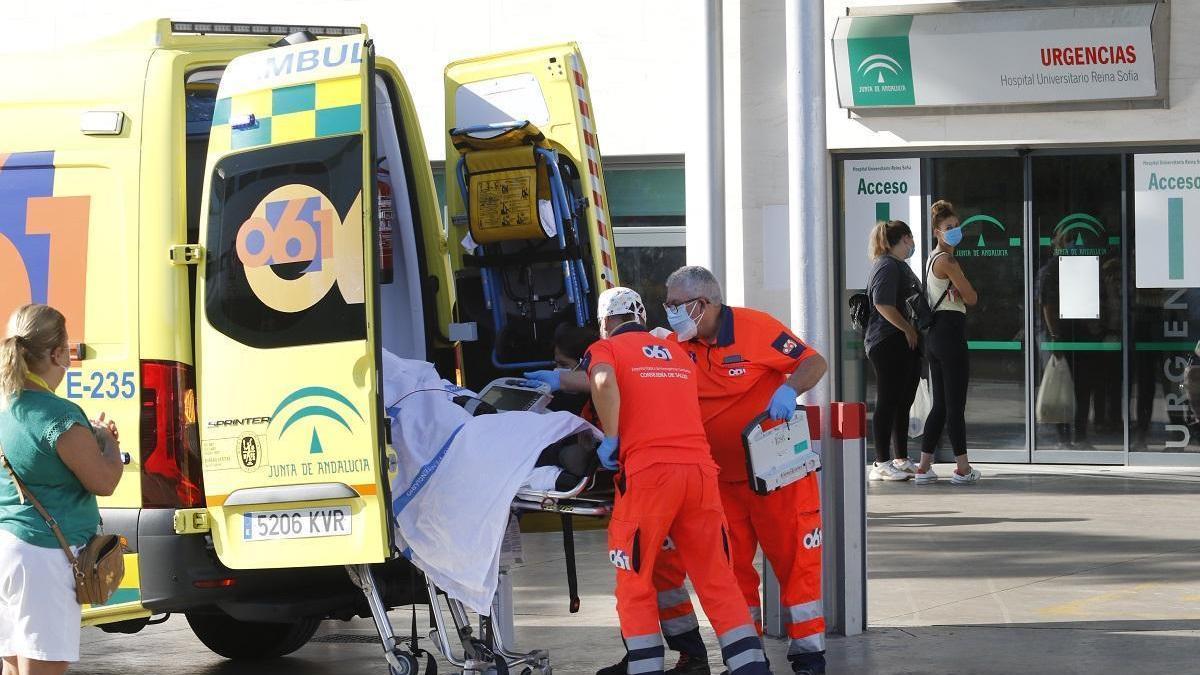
1080,234
989,243
882,63
880,60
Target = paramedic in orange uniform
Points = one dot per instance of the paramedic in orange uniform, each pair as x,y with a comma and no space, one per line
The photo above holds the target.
747,363
644,391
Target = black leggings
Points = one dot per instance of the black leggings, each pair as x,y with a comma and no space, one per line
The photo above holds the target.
949,372
897,371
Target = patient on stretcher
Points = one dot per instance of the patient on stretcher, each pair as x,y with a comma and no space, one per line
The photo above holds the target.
560,466
454,476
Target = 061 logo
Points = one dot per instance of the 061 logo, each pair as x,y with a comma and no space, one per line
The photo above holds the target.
813,539
620,559
656,352
294,248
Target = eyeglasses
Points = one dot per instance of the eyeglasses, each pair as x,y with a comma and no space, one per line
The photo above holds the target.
671,307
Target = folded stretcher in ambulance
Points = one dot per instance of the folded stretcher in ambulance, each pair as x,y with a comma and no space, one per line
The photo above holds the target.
458,475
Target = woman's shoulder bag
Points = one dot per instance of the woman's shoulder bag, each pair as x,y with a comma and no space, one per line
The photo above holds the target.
919,311
100,564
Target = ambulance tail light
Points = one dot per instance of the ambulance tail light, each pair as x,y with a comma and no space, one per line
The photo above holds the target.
170,439
228,582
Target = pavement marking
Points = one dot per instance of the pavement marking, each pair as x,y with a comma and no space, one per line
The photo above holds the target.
1079,608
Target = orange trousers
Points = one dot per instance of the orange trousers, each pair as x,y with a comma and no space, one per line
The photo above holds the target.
787,524
681,501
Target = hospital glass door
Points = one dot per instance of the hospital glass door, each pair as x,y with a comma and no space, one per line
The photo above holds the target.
988,194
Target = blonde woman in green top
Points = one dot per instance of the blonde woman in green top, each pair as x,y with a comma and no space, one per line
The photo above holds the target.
65,460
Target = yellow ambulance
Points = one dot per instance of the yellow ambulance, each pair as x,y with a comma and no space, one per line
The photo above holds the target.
236,221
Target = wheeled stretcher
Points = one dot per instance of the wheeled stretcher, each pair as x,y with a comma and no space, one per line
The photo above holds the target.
485,649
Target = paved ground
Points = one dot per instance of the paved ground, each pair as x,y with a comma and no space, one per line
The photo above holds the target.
1035,570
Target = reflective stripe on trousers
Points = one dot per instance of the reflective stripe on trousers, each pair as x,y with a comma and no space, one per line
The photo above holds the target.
806,628
807,645
742,651
645,654
675,611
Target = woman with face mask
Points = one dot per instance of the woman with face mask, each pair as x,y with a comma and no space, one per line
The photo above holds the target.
65,461
950,293
891,343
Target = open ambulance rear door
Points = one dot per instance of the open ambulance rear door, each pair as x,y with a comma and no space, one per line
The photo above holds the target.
544,89
294,471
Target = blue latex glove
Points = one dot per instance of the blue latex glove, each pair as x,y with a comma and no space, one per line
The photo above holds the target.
550,377
607,452
783,403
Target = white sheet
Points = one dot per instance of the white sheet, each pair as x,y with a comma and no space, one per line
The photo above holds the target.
457,476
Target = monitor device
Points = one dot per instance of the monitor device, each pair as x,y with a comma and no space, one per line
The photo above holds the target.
511,393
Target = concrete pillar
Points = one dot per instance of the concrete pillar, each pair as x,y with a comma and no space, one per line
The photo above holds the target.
732,62
704,175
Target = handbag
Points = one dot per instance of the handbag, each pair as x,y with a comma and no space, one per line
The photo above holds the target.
1056,394
919,311
99,565
921,405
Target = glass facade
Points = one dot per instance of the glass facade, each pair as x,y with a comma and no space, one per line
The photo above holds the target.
1070,360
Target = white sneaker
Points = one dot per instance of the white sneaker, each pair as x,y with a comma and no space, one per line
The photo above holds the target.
925,478
969,479
905,465
887,471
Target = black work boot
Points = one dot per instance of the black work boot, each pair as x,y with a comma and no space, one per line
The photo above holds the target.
619,668
808,664
690,665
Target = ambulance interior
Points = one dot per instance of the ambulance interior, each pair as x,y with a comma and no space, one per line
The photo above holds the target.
527,265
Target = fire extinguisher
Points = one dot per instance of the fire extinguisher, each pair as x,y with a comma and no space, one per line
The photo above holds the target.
386,215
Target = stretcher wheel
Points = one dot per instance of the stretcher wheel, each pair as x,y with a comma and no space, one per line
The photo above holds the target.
408,664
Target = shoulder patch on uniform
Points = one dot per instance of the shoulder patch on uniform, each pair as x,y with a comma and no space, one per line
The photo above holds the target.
788,345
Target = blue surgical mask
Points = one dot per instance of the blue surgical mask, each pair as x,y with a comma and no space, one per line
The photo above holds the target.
953,237
682,322
911,250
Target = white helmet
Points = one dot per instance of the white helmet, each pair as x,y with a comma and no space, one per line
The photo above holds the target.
620,300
